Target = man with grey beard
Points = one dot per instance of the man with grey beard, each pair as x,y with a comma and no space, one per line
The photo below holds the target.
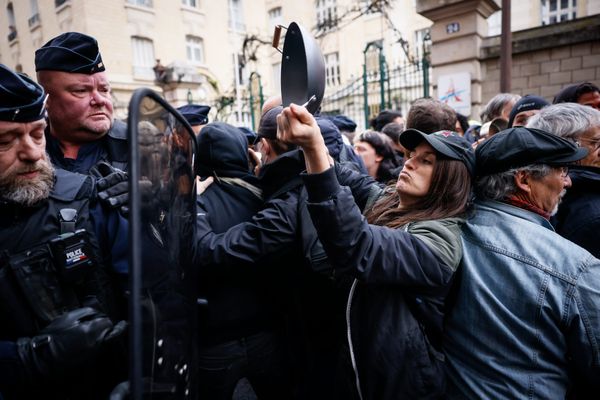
58,302
524,320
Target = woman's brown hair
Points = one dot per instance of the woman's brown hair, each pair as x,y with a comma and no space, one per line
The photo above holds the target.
448,196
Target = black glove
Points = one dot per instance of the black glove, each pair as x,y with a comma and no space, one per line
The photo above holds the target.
112,185
69,342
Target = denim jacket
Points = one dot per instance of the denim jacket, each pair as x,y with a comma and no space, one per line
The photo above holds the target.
525,322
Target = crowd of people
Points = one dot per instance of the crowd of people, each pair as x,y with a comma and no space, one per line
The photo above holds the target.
428,257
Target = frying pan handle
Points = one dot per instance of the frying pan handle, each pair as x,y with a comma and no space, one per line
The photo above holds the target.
277,37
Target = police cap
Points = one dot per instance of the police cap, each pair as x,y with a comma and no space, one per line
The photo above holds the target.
21,99
195,114
70,52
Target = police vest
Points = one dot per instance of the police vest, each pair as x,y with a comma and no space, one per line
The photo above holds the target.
50,260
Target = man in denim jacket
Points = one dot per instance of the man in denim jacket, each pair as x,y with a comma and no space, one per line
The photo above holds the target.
525,322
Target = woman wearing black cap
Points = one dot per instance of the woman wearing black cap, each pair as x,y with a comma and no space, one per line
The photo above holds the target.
402,257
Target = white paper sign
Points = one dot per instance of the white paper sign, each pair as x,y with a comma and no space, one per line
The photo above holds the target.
455,90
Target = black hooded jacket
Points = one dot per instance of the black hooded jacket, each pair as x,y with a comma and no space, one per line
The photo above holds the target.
578,217
238,293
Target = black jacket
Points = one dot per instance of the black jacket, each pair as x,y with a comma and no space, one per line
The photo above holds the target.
281,238
239,295
397,272
578,217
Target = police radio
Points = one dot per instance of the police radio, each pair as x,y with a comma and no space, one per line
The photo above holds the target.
73,255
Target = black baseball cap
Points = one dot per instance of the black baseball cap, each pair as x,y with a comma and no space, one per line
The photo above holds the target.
70,52
447,143
267,127
21,99
521,146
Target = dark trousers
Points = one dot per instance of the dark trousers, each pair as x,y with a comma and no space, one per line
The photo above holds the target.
261,358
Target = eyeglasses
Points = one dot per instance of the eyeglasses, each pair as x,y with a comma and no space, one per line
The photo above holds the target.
595,143
564,171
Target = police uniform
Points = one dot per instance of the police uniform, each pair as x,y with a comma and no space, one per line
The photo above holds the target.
57,296
74,52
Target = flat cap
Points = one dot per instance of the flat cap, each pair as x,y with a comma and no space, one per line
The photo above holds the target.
447,143
195,114
21,99
520,146
70,52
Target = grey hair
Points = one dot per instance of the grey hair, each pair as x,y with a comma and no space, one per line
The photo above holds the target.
493,108
501,185
567,120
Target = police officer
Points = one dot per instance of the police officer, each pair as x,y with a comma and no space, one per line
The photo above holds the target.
57,297
82,135
196,115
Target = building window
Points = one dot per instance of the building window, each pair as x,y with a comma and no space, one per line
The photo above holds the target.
276,78
34,20
194,47
326,14
332,69
236,15
554,11
421,39
191,3
12,25
143,3
275,17
143,58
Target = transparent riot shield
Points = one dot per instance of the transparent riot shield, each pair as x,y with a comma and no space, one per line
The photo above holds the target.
162,218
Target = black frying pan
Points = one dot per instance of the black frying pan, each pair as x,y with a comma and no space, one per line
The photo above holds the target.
302,68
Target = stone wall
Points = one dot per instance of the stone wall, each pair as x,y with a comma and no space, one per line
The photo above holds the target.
545,59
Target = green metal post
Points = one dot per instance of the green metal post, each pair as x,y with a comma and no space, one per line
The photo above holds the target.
425,65
382,79
365,90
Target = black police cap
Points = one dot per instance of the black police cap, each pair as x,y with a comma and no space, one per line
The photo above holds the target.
21,99
70,52
195,114
447,143
520,146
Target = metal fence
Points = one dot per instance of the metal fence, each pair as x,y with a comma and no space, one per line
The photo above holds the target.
378,89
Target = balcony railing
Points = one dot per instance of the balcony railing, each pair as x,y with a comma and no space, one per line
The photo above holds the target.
12,35
34,20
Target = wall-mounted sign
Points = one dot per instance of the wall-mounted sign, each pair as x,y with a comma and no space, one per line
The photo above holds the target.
452,27
455,90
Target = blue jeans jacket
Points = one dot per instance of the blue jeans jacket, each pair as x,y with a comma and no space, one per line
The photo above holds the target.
526,320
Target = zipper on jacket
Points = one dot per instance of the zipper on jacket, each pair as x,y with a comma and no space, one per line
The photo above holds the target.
349,334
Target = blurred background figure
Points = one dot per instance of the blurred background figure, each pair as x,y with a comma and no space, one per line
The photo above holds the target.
585,93
393,130
384,118
499,106
377,153
462,124
429,115
525,108
346,126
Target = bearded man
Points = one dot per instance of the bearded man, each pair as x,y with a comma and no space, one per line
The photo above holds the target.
58,292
